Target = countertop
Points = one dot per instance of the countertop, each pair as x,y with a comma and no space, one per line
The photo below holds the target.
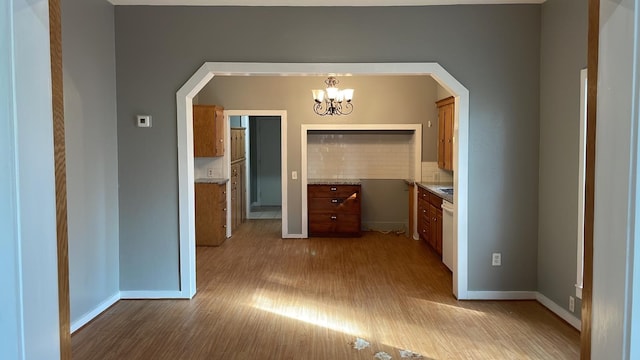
211,181
435,188
334,182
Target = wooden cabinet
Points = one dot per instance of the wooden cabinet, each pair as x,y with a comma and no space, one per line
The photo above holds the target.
238,178
208,131
238,144
430,219
334,210
238,194
445,133
211,214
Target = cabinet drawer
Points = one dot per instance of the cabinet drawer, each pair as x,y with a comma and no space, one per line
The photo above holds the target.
435,200
340,224
337,191
349,205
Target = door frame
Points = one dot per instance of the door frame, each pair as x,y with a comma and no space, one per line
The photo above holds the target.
282,114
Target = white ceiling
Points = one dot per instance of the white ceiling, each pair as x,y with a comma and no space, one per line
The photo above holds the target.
319,2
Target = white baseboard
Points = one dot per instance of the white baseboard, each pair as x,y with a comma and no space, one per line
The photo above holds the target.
84,319
558,310
293,236
152,294
501,295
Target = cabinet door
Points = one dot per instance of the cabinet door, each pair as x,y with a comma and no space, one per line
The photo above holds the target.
208,131
439,231
441,137
448,137
210,214
433,227
219,136
445,133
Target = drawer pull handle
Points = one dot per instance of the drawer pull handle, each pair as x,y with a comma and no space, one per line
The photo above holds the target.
334,188
335,201
333,217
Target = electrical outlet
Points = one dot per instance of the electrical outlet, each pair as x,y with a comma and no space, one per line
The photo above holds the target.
496,259
572,304
210,172
294,175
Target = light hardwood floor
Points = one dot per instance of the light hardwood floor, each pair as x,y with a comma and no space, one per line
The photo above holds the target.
261,297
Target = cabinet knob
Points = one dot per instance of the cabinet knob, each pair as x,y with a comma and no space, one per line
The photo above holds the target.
225,209
224,226
435,219
335,201
334,188
333,217
424,211
221,140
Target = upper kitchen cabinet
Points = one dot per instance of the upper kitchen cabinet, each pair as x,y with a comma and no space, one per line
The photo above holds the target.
208,131
445,133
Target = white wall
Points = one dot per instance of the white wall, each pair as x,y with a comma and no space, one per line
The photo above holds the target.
92,156
29,326
616,203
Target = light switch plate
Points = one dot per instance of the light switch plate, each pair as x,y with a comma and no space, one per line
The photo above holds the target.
143,120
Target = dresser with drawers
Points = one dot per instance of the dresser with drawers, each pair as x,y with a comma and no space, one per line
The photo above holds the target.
334,208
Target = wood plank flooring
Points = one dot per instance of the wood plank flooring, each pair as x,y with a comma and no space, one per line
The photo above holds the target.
262,297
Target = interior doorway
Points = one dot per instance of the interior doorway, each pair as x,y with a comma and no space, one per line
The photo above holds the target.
265,168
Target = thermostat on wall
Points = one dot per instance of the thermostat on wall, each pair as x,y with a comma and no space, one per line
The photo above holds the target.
144,120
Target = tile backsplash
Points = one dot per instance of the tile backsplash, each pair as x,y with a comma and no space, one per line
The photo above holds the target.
361,155
432,173
201,165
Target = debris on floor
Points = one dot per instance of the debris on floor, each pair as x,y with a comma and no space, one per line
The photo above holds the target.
360,344
408,354
382,356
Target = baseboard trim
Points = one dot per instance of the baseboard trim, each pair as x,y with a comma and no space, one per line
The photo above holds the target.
152,294
84,319
293,236
501,295
560,311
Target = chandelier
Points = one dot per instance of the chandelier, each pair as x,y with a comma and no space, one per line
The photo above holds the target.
332,101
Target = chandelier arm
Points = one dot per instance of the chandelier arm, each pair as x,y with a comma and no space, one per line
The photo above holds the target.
347,109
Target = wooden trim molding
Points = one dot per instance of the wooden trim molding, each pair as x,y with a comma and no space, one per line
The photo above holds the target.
592,91
55,33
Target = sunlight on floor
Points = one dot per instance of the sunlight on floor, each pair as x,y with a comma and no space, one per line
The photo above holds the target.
308,313
447,307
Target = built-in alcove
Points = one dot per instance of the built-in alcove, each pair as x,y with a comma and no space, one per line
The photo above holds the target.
382,156
382,159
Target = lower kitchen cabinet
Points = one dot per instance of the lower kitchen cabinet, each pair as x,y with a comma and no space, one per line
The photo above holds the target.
430,219
334,210
211,214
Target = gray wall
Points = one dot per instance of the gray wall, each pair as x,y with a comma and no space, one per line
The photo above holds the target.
385,205
563,55
493,50
92,153
377,99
